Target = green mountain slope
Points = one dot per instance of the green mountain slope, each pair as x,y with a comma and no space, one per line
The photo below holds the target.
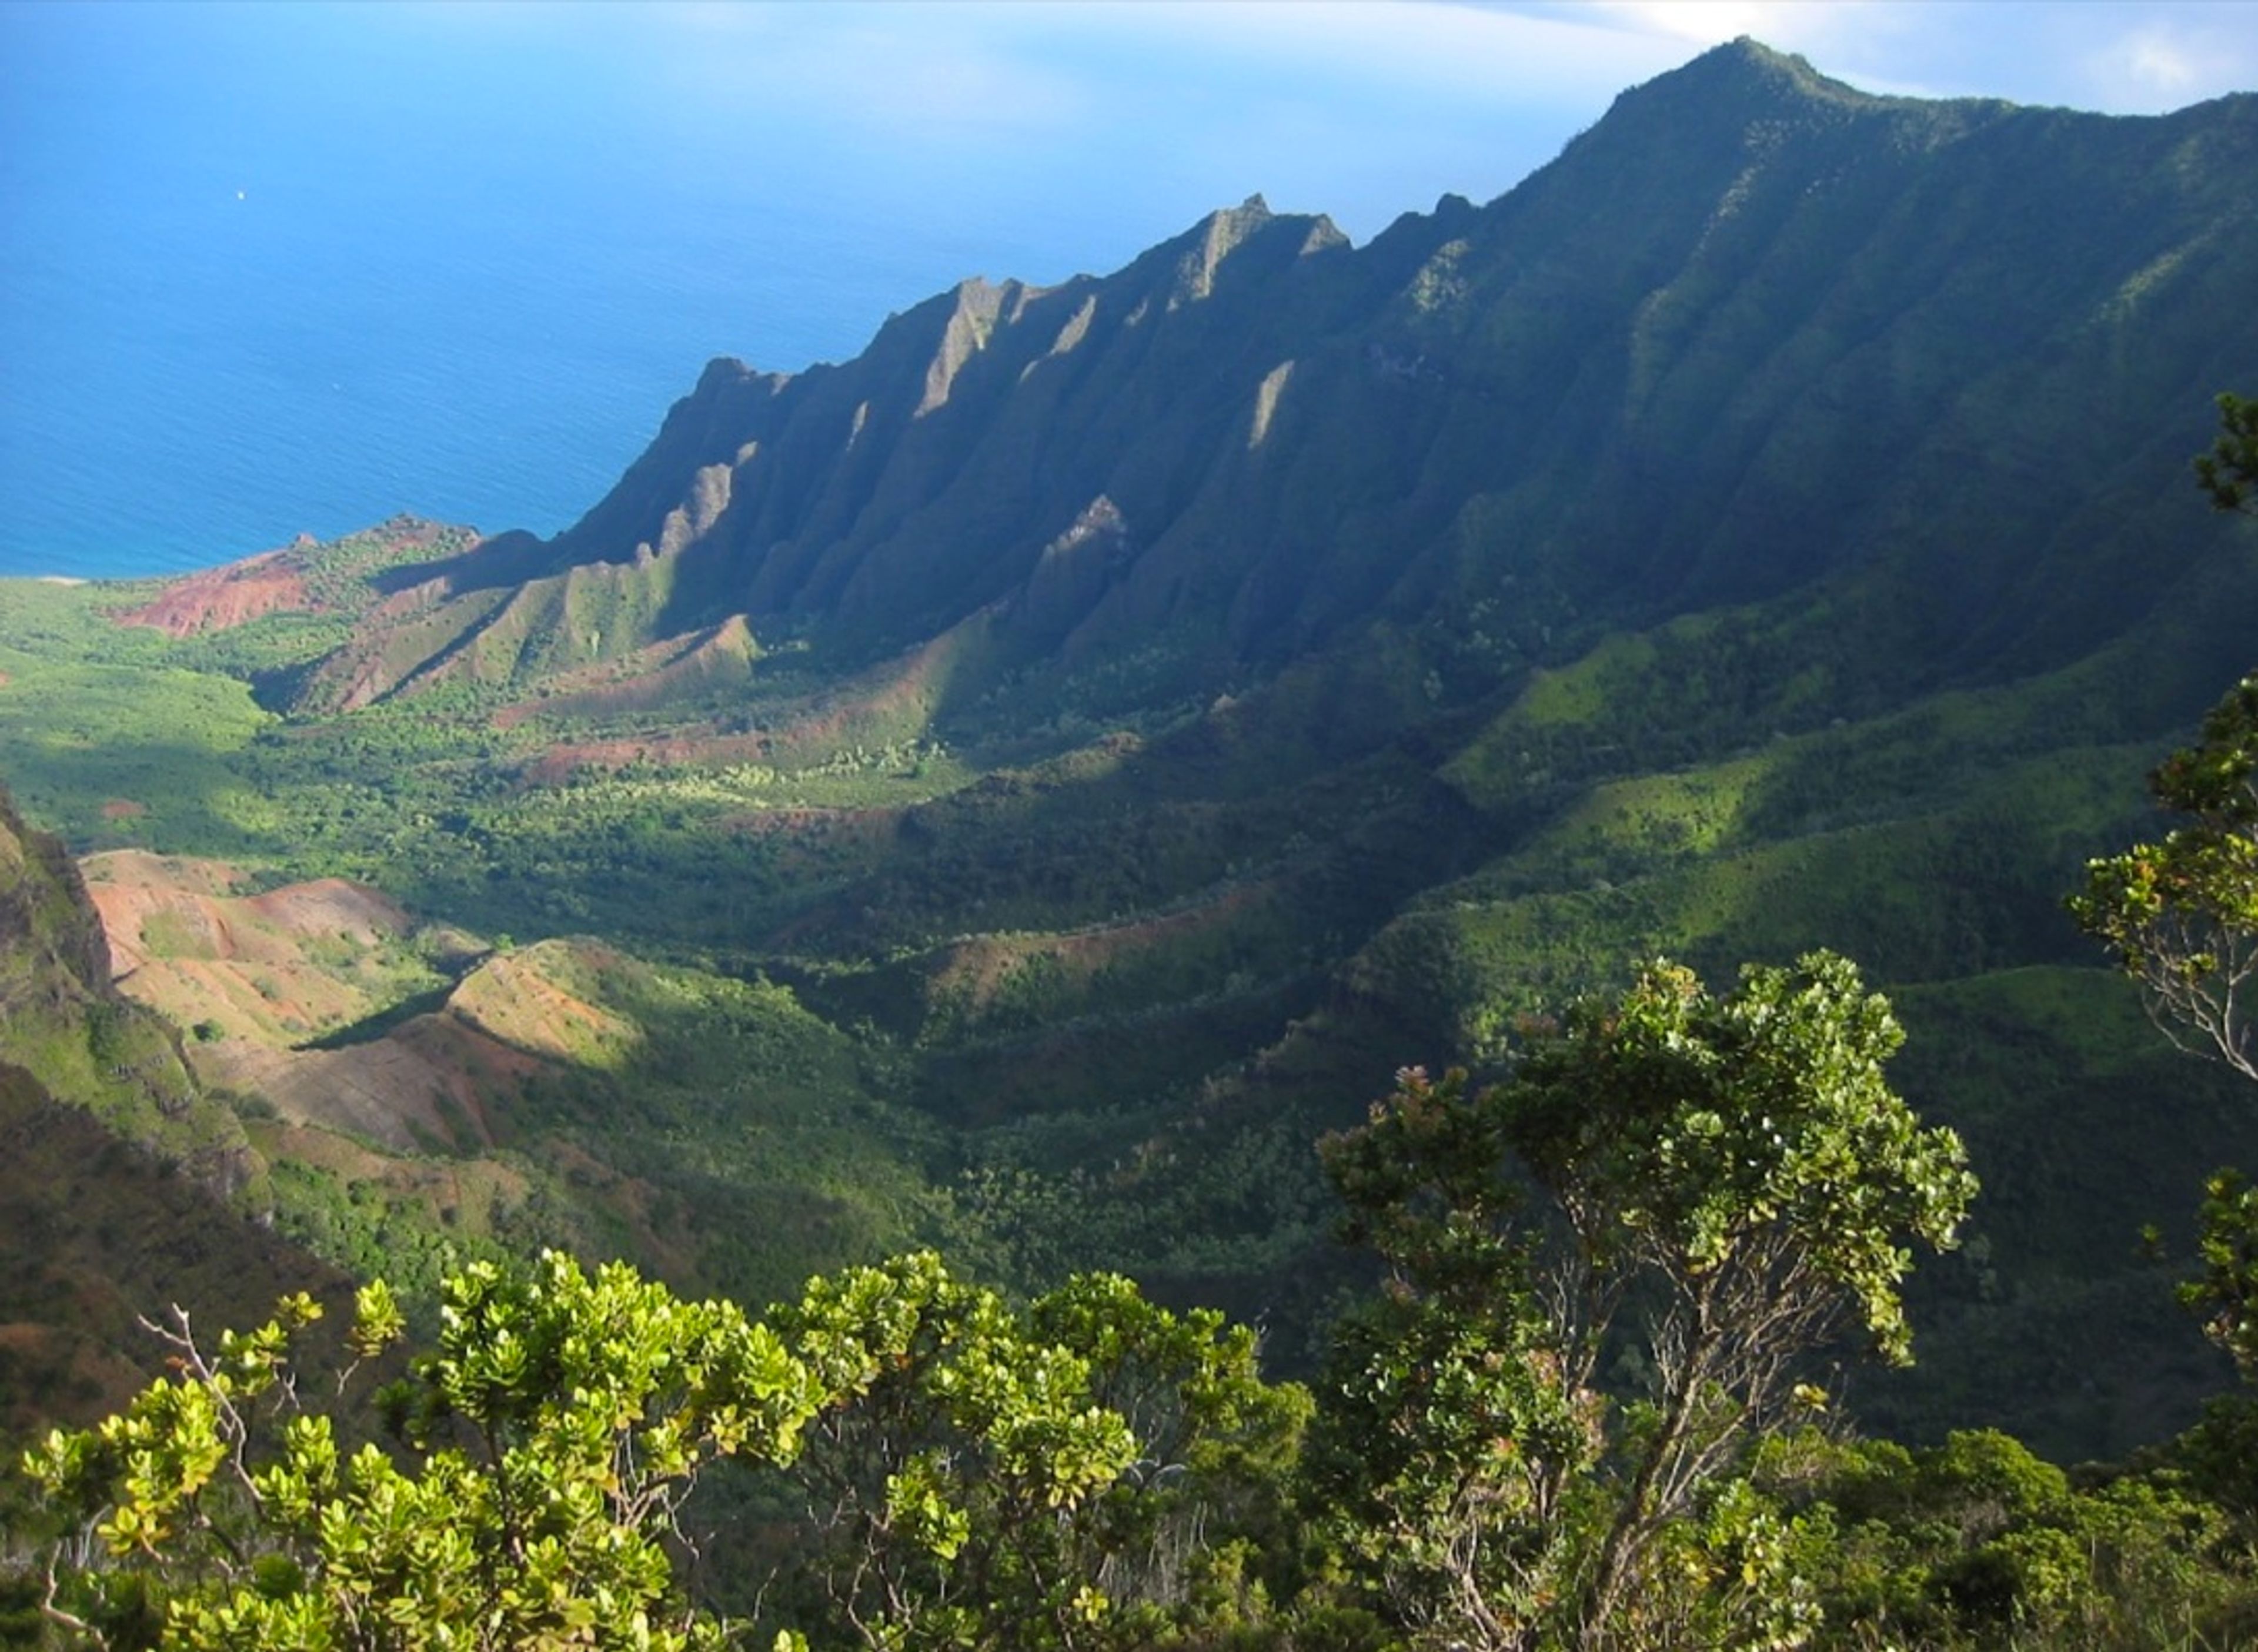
1751,329
1037,775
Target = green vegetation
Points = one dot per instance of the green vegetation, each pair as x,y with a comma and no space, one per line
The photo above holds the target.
1017,792
1584,1422
2182,917
1010,993
1730,1181
106,740
2229,473
72,1036
970,1476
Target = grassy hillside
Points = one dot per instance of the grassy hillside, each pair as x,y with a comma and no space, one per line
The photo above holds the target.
1093,1008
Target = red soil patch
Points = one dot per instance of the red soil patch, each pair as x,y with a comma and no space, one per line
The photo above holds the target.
139,868
269,970
124,808
430,1078
190,899
332,906
385,1092
220,597
182,943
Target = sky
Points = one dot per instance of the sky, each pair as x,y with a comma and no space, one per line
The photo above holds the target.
296,266
1358,108
1362,109
1365,107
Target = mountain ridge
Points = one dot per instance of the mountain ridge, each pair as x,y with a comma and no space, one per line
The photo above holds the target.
1216,385
1076,751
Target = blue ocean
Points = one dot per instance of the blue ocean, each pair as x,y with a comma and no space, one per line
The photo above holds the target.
268,270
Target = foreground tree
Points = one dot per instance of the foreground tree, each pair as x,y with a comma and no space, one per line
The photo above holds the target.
2181,917
1974,1544
1058,1478
2229,473
1728,1183
2181,914
986,1477
541,1453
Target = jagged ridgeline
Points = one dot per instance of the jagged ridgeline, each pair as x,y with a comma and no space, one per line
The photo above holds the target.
1753,330
1107,729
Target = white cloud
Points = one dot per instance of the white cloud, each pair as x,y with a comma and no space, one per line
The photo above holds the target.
1706,21
2175,56
2119,56
1793,26
2156,60
1335,105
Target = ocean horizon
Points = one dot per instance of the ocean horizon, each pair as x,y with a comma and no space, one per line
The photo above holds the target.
272,271
233,317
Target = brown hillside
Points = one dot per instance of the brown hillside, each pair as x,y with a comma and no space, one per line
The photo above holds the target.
219,598
530,1002
261,976
976,970
276,968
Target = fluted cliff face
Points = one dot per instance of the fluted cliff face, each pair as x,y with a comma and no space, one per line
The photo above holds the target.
1752,330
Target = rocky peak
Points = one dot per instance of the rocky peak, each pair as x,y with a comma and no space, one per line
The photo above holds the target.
979,305
1199,255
